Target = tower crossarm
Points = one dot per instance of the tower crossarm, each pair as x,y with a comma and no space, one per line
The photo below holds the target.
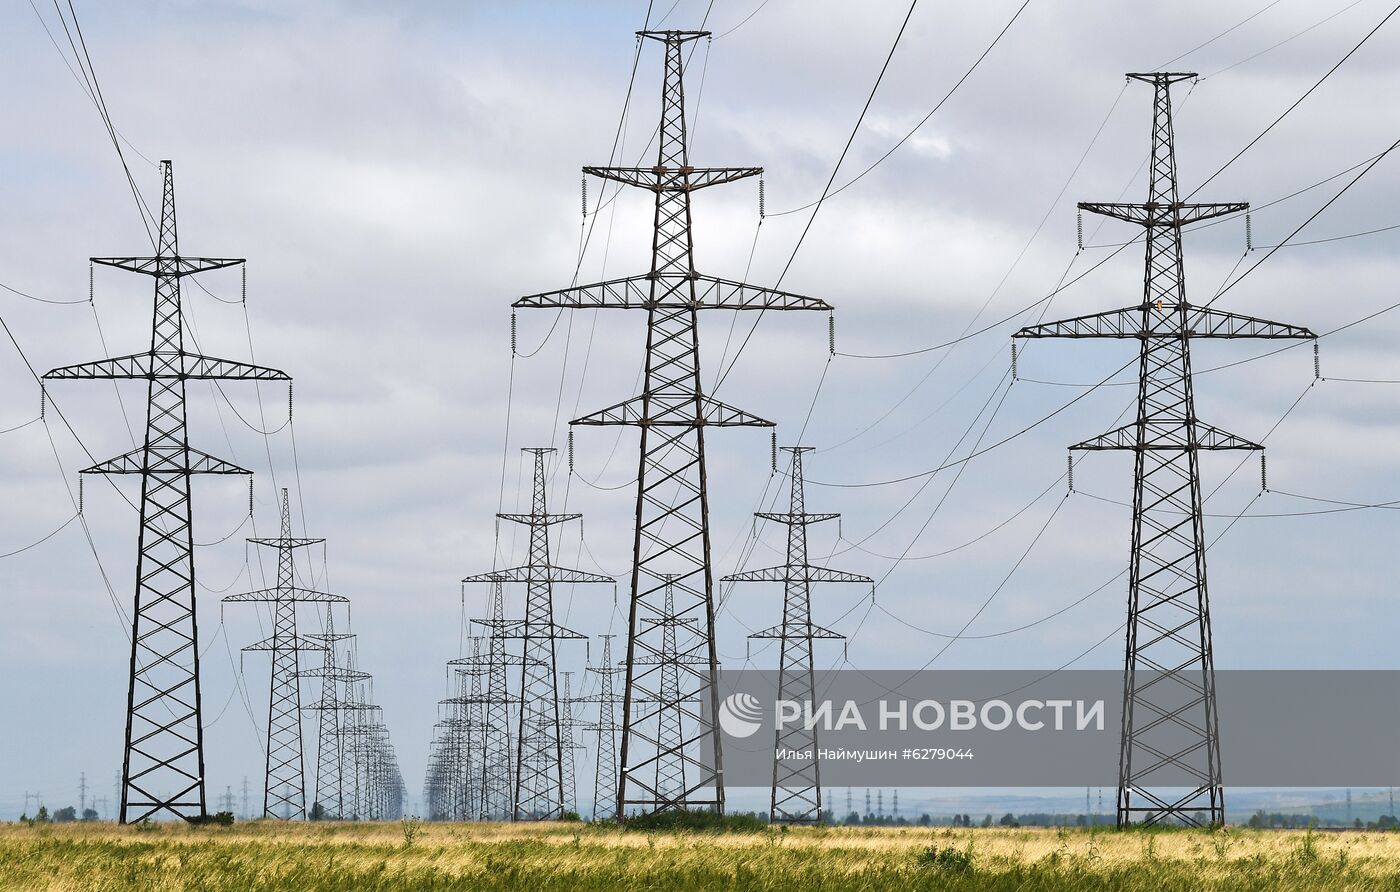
287,594
636,293
1163,214
289,542
334,673
1164,321
673,179
1166,436
673,409
286,642
163,365
169,459
516,629
542,519
810,630
533,574
168,265
800,573
790,518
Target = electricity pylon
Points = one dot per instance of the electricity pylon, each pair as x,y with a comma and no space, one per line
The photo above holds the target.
672,532
567,726
539,770
498,755
606,730
163,758
1170,722
330,760
284,791
797,792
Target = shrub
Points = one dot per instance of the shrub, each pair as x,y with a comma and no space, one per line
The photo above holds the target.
948,859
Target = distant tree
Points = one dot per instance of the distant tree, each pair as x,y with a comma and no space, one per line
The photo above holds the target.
318,812
852,818
987,821
925,820
967,820
1009,820
64,815
89,814
42,816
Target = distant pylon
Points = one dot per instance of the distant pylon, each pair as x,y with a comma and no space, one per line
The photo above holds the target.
567,726
284,794
539,779
330,759
1170,734
671,538
796,792
163,760
606,730
497,781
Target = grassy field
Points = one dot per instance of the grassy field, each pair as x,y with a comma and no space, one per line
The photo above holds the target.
306,857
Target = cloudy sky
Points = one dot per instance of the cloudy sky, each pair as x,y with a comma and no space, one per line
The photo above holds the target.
397,175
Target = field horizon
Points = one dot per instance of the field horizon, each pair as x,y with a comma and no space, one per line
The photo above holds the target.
413,855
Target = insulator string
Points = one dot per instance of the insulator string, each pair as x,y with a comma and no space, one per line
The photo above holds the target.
1013,360
1069,472
512,334
774,450
250,495
1248,230
289,401
831,333
1081,230
585,195
244,268
80,493
1317,362
1263,472
571,458
761,209
90,281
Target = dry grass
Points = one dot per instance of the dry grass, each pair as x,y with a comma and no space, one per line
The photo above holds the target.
308,857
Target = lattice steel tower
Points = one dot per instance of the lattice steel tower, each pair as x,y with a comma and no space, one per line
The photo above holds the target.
284,791
1169,763
163,759
335,677
539,777
606,730
672,535
797,792
498,755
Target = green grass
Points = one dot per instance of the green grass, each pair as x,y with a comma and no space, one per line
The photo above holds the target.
580,858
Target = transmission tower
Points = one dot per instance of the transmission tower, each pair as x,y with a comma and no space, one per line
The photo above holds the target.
571,744
330,759
163,759
284,793
797,792
498,754
606,730
672,534
539,778
1170,726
